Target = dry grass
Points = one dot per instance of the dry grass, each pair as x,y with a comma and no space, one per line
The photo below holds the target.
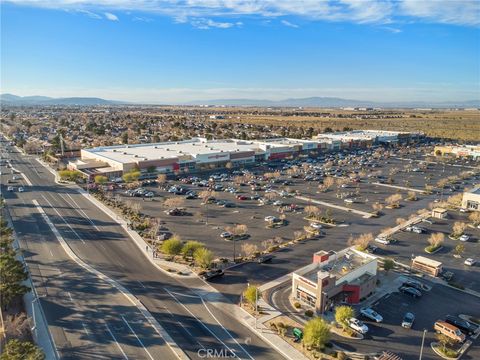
461,125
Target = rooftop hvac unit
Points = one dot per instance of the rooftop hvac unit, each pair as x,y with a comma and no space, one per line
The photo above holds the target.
349,256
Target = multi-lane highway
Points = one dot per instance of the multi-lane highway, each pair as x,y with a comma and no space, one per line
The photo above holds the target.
88,317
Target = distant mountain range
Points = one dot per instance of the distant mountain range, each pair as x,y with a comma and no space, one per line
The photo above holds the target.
321,102
333,102
9,99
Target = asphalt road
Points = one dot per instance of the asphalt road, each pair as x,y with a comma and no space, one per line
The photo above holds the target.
101,243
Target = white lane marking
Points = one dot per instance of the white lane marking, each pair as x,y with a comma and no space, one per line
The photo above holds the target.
201,323
81,210
141,284
183,326
70,296
218,322
186,295
51,254
49,203
85,328
115,339
140,341
26,179
189,333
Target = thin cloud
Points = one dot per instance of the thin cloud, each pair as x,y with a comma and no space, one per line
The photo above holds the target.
111,17
289,24
206,24
90,14
382,12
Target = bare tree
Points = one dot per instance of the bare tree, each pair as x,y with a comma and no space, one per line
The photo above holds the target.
458,229
393,200
175,202
249,249
436,239
361,242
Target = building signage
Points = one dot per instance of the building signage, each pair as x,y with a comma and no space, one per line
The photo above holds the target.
217,156
308,282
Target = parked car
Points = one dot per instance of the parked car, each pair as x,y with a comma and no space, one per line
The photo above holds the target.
371,314
226,235
21,189
464,237
465,326
413,284
410,291
382,240
315,225
265,258
470,262
212,274
358,325
408,320
10,188
371,249
270,218
453,332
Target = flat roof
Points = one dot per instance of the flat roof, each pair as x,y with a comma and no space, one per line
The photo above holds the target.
427,261
168,150
342,265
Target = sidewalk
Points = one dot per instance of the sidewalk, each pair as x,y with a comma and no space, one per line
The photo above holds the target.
338,207
399,187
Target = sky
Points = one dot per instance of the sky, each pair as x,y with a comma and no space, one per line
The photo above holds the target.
174,51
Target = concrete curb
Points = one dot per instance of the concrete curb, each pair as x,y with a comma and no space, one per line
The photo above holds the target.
137,303
41,335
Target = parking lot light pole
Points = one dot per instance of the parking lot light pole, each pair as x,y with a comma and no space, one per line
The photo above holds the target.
423,341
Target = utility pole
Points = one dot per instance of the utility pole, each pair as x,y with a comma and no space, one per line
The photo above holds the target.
423,341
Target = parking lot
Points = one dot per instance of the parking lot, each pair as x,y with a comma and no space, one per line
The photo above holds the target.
432,306
410,244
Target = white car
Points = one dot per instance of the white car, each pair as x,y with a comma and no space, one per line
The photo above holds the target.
21,189
463,210
270,218
371,314
315,225
464,237
470,262
349,201
358,325
10,188
382,240
226,235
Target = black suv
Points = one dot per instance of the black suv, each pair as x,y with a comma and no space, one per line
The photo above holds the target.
466,327
212,274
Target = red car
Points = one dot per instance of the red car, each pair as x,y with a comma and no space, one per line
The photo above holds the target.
242,197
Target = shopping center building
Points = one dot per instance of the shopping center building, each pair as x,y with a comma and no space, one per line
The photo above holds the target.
464,151
348,276
200,154
471,199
